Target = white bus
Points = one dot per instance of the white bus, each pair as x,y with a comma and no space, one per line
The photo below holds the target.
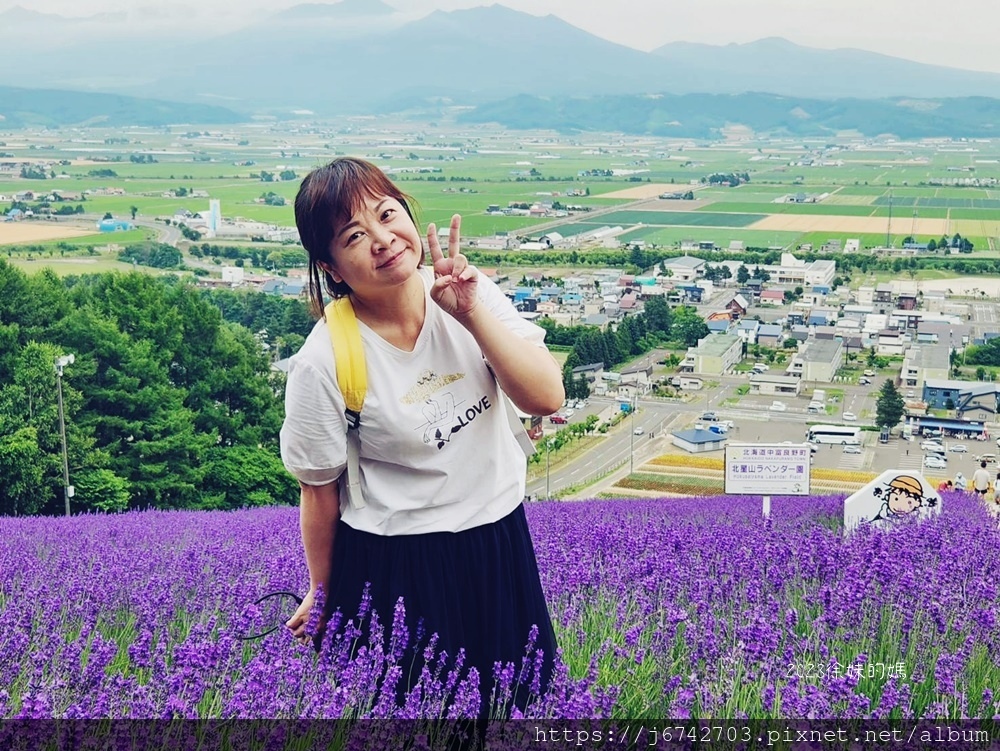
845,435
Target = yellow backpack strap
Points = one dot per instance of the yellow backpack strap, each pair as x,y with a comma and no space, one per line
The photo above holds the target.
352,378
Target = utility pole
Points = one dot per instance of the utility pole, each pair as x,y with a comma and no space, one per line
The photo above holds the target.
548,495
68,491
631,439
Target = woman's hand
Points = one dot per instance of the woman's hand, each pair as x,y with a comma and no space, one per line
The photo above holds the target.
300,618
455,280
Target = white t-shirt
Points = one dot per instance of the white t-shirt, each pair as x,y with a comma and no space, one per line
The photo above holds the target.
437,450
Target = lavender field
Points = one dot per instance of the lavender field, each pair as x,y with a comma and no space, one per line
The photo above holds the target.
680,608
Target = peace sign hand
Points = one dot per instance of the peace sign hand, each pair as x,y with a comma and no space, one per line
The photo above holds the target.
455,280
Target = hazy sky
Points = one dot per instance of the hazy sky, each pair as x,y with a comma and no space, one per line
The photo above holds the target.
958,33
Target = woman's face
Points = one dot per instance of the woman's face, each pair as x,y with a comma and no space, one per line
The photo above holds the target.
379,247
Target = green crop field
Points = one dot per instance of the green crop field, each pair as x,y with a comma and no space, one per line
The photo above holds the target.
722,237
791,208
679,218
945,203
449,171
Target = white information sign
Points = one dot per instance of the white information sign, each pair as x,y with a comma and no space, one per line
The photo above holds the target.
767,469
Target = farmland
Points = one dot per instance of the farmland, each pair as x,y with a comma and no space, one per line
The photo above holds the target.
798,191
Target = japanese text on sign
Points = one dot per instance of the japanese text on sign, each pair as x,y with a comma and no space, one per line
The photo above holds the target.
767,469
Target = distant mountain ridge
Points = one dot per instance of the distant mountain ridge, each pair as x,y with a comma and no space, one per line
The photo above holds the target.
705,115
364,57
808,71
20,108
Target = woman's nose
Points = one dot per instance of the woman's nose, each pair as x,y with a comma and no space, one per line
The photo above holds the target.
382,237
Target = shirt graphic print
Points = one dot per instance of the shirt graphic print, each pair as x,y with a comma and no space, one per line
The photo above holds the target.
444,414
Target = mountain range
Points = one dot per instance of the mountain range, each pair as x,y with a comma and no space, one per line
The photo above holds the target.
364,57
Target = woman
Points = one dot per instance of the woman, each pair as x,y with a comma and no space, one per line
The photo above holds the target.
442,475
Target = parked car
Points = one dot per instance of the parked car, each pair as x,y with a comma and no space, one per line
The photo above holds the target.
850,416
638,431
852,449
958,448
932,446
709,417
935,462
988,458
558,420
869,373
910,394
778,407
864,381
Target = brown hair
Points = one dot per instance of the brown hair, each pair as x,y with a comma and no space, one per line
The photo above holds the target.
328,198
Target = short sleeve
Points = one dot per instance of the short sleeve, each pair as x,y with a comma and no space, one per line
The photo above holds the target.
504,309
314,435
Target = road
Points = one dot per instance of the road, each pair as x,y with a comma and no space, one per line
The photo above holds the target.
754,421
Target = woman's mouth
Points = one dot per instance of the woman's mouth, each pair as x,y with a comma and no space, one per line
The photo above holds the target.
390,261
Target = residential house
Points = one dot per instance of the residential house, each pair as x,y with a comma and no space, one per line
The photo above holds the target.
874,323
906,301
721,325
772,297
715,354
629,303
752,289
685,268
883,295
865,296
596,319
738,305
856,312
818,361
592,373
971,400
931,332
924,362
746,330
638,379
890,342
698,440
773,384
799,333
770,335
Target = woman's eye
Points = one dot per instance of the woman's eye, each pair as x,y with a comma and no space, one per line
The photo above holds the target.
387,213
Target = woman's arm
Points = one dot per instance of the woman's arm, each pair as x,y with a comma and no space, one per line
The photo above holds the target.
319,512
527,373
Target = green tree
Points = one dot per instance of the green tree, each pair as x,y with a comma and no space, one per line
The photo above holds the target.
742,275
21,469
658,316
688,327
101,490
133,210
244,476
890,407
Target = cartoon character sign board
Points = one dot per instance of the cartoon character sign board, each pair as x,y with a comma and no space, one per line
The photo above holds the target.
894,495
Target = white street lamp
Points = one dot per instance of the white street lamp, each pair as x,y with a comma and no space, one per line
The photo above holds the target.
62,362
631,439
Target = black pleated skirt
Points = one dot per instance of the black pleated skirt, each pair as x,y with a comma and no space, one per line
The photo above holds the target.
478,589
